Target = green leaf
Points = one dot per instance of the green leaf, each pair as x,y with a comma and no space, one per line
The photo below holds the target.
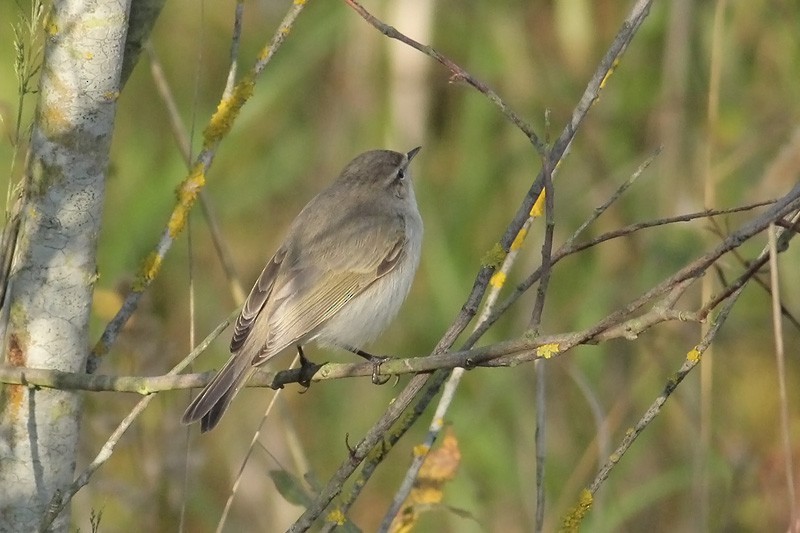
291,488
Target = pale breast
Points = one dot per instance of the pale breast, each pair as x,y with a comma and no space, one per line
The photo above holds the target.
363,318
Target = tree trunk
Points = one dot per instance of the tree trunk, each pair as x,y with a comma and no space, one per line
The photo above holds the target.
54,267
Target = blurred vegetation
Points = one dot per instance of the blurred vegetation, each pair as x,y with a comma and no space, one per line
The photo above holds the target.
329,94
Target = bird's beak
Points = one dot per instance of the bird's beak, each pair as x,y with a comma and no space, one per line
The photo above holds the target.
410,155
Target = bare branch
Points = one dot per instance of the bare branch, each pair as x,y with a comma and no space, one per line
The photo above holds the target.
693,357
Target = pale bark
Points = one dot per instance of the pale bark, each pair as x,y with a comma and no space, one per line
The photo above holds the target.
53,272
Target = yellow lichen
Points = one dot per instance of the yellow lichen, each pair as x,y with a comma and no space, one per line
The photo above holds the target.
376,453
227,110
264,54
187,194
538,205
50,26
148,271
519,240
498,280
53,119
609,73
694,355
572,520
336,517
546,351
420,450
494,257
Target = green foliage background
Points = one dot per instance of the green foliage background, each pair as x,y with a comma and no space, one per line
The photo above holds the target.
326,97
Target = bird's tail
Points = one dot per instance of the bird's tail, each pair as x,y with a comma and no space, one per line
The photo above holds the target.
213,400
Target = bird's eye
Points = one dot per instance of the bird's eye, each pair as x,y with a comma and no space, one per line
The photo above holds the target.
401,174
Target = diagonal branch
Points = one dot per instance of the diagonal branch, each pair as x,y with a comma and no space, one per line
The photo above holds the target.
574,517
457,73
218,127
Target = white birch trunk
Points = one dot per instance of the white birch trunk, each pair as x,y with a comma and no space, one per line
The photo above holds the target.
53,273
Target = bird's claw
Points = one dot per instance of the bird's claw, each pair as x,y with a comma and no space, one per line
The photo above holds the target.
376,370
307,370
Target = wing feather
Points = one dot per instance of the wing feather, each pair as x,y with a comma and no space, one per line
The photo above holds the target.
259,295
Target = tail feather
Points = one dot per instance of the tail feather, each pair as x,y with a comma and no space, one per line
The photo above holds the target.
213,400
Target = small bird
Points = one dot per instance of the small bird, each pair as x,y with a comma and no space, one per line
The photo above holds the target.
340,276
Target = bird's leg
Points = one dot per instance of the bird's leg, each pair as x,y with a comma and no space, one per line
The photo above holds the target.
376,361
307,369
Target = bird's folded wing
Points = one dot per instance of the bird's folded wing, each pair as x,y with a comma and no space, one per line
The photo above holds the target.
255,301
304,304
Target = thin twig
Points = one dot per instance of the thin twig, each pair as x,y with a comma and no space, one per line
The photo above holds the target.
146,385
780,359
533,328
192,329
547,253
785,311
633,228
540,370
236,37
614,197
224,517
575,516
190,249
702,483
602,438
457,73
753,266
692,358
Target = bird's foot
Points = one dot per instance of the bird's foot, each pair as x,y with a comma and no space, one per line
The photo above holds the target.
377,361
307,369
